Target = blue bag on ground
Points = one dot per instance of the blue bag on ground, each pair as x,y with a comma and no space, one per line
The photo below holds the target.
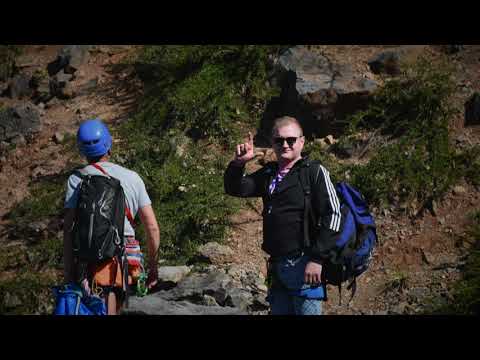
70,300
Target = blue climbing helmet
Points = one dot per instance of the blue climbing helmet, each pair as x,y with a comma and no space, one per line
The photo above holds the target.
93,138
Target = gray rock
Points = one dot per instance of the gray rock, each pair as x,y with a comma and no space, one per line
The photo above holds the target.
399,309
70,58
239,298
61,87
416,295
260,302
19,140
172,274
215,284
216,253
37,229
19,120
315,74
42,92
76,56
156,305
38,171
472,110
247,277
20,86
62,78
329,140
208,300
58,137
316,90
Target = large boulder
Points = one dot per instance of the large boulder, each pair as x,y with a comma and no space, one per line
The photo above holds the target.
316,90
70,58
156,305
20,120
193,287
209,293
472,110
172,274
216,253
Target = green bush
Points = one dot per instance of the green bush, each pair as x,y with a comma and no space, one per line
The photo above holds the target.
188,198
207,89
412,112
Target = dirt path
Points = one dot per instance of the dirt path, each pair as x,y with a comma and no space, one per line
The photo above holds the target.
112,99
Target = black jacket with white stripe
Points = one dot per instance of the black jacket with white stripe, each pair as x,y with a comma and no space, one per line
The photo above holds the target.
284,209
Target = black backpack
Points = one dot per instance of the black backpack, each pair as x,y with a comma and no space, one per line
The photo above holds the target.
98,230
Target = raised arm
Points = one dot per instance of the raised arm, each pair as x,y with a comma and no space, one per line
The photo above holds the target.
238,184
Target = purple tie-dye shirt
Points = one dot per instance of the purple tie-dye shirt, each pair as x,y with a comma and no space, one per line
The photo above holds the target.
280,175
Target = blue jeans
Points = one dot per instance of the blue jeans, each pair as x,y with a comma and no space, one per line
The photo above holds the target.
283,300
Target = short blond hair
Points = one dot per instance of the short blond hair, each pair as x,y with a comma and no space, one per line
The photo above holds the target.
285,120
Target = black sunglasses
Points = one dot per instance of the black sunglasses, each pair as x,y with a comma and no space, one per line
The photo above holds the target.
290,140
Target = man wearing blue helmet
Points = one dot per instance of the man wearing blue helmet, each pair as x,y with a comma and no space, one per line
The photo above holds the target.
95,142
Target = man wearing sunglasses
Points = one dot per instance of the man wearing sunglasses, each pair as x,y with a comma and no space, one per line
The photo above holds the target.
295,271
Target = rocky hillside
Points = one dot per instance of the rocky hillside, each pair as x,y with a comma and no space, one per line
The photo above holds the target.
212,261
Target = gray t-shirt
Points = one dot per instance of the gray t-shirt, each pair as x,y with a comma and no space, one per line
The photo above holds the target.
133,186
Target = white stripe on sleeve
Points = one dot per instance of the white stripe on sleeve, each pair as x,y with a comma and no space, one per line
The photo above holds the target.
334,202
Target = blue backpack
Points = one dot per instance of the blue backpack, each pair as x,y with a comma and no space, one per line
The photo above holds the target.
354,244
70,300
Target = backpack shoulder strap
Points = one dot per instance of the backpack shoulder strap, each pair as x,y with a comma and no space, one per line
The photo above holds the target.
128,212
80,172
305,173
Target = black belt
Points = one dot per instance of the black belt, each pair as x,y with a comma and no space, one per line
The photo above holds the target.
290,256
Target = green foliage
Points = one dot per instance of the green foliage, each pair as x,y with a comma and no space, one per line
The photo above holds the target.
196,98
45,200
413,111
207,89
8,54
187,195
467,291
336,169
36,269
32,291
